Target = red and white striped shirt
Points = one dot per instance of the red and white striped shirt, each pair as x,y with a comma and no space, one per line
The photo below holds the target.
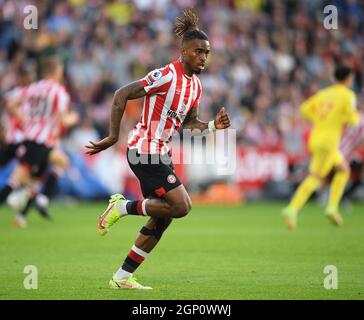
12,127
43,103
171,94
352,138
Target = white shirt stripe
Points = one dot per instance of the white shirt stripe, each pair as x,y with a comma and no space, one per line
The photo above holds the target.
43,103
162,86
166,107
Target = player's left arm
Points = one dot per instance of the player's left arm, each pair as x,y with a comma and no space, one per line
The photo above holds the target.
221,121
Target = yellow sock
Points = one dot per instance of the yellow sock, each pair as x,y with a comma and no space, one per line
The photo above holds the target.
337,188
304,191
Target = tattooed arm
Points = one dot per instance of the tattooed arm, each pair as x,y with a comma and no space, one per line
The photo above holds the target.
192,122
131,91
221,121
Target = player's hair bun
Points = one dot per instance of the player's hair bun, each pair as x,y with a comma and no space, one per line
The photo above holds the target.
188,21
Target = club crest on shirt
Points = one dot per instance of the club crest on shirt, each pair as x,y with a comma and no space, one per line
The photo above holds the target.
171,178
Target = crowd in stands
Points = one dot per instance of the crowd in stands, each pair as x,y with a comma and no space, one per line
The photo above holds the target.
267,57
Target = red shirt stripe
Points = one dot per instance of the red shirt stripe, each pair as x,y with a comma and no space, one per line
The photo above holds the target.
170,94
43,103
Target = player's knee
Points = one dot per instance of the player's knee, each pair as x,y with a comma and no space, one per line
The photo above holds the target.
183,208
189,204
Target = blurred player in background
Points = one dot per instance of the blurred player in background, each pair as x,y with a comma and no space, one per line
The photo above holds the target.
40,191
352,140
172,96
11,119
42,108
329,110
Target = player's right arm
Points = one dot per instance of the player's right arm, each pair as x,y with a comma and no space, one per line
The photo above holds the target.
131,91
155,82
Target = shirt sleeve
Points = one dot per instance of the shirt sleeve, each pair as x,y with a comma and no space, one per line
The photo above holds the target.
157,81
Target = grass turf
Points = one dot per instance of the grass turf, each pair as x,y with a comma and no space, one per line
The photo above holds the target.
213,253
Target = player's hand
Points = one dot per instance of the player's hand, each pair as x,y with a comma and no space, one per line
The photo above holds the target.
96,147
222,120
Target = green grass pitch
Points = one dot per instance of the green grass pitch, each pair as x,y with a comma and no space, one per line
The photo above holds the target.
214,253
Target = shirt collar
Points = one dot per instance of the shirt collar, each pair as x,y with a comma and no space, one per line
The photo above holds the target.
178,64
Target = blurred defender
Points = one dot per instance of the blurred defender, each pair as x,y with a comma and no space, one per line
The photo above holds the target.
42,108
172,96
11,119
12,147
329,110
